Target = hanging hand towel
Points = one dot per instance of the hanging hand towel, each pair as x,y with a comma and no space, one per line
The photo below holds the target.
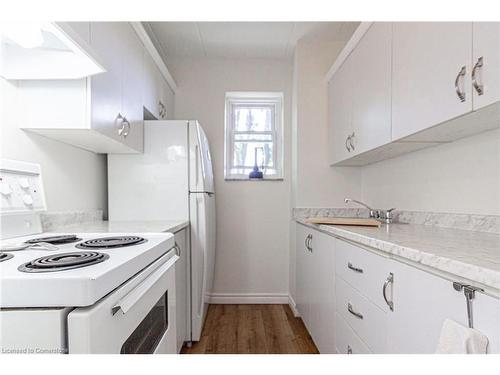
457,339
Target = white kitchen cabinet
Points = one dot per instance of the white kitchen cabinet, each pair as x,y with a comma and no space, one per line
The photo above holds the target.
150,85
102,113
360,96
132,103
346,340
371,66
422,302
183,328
315,286
486,60
340,97
117,92
431,70
303,273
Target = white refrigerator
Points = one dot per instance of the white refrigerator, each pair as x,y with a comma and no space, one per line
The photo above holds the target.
172,180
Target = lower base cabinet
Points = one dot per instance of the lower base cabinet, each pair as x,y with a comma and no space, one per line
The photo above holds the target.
422,301
355,301
316,286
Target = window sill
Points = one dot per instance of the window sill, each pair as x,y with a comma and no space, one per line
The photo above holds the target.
253,179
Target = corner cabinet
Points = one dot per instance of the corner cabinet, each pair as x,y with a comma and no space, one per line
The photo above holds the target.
404,86
102,113
354,300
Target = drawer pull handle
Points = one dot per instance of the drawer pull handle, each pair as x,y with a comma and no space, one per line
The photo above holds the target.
355,269
389,280
356,314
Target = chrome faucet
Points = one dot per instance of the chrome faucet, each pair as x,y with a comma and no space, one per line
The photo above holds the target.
382,215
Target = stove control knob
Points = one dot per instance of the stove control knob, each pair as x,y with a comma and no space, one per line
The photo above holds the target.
28,200
24,183
5,189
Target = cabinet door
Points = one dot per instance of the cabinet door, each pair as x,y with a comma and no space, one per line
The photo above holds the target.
427,60
149,87
106,88
486,46
132,107
371,81
340,103
303,268
181,290
423,301
322,292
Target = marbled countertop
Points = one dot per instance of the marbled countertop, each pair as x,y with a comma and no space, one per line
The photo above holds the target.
469,255
102,226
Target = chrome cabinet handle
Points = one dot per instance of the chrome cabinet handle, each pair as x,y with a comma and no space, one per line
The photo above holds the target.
177,250
346,144
477,86
389,280
459,91
355,269
349,349
307,242
124,125
351,310
351,140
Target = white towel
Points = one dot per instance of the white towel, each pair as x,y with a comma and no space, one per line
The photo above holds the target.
457,339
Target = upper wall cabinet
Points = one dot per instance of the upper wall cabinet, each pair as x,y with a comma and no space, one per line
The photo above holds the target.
103,113
485,73
420,85
360,96
431,74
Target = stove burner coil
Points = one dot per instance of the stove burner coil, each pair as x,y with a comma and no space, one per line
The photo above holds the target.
111,242
5,256
64,261
55,240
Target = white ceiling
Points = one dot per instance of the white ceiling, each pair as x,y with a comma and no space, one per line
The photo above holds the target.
271,40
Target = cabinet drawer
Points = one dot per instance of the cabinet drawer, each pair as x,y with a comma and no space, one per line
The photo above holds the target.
365,318
347,342
364,270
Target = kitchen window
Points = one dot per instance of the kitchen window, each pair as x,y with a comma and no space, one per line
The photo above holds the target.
254,135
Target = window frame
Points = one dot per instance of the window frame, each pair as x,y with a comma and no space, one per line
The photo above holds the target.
257,99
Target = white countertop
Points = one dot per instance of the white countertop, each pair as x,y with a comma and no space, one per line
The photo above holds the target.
469,255
154,226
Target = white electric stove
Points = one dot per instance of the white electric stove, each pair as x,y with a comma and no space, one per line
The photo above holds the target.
79,293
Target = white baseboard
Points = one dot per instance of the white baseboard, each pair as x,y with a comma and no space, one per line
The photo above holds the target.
293,306
248,298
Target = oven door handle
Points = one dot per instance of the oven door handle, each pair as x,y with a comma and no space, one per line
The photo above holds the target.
128,301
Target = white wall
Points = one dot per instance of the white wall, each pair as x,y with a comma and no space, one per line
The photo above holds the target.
252,217
315,183
74,179
458,177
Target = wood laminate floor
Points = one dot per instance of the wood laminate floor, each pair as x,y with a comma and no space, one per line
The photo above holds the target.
252,329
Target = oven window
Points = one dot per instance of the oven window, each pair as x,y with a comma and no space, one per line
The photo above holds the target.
148,334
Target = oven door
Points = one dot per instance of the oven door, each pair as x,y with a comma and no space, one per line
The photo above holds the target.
138,317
